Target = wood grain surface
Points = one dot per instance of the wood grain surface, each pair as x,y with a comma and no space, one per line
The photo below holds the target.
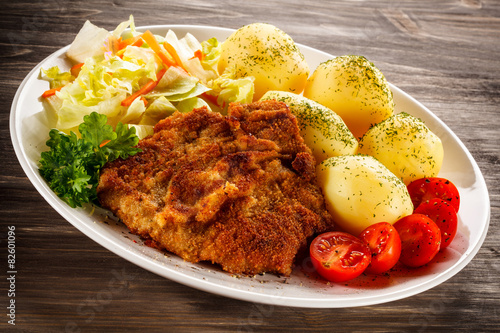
446,54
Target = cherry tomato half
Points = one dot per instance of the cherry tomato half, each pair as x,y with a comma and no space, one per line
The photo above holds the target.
444,215
420,239
424,189
385,244
338,256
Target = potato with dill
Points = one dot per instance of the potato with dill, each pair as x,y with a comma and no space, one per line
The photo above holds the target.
406,146
355,89
322,129
360,191
266,53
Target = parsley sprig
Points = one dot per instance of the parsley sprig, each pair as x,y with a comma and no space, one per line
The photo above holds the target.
72,165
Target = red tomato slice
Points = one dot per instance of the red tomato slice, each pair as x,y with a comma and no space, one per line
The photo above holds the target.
444,215
385,244
420,239
339,256
424,189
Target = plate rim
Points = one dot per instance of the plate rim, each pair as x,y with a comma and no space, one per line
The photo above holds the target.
220,289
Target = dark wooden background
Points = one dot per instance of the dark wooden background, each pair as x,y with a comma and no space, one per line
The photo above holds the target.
444,53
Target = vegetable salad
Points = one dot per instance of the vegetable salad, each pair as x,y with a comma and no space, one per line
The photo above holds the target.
138,78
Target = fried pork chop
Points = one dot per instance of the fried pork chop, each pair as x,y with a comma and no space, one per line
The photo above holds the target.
236,190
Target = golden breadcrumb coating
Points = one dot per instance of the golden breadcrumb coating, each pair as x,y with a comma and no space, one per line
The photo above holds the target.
237,190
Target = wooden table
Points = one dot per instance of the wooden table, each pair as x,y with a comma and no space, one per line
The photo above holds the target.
446,54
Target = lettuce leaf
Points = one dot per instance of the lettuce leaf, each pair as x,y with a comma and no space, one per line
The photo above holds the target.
142,131
186,47
92,41
211,49
134,112
188,105
175,81
228,90
196,91
88,43
160,108
100,87
177,85
55,77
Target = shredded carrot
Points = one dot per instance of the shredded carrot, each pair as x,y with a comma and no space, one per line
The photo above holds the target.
198,54
160,74
138,42
103,143
75,70
211,98
144,90
171,50
150,85
120,44
155,46
134,41
50,92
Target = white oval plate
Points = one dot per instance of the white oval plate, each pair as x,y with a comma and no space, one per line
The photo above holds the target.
29,131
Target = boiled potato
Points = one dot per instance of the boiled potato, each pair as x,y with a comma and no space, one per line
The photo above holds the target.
266,53
405,146
354,89
359,191
322,129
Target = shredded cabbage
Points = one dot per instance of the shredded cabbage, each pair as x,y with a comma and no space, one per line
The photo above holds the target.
189,104
55,77
186,48
113,70
175,81
88,43
228,90
225,87
159,109
211,49
142,131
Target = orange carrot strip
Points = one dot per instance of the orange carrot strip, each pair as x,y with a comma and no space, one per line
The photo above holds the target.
138,42
120,44
198,54
50,92
210,98
75,70
171,50
103,143
160,74
144,90
155,46
134,41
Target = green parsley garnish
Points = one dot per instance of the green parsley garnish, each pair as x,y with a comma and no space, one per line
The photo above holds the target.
72,165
